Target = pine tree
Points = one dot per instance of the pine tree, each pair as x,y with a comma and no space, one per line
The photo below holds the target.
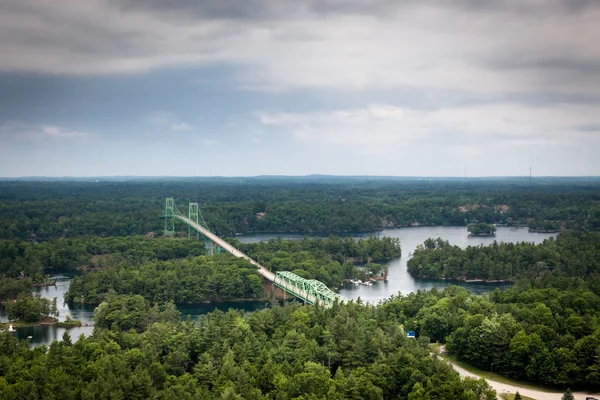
517,396
54,308
568,395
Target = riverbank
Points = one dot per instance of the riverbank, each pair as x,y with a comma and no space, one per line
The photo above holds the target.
23,324
214,301
45,284
465,280
48,321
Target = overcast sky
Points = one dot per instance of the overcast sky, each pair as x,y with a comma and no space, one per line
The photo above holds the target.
296,87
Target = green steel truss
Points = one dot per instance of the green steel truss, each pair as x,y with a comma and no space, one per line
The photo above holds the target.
195,215
193,212
169,216
309,290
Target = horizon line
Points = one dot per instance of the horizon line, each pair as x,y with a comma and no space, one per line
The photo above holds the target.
292,176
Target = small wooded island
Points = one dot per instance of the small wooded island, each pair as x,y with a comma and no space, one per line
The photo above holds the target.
481,229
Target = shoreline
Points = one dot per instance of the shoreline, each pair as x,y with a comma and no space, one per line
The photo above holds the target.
206,302
44,284
382,229
59,324
465,280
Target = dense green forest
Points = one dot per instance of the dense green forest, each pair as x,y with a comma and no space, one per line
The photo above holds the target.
573,254
200,279
24,263
294,352
481,229
191,280
546,328
44,210
30,308
533,331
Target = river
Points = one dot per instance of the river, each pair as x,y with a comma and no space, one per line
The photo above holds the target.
399,280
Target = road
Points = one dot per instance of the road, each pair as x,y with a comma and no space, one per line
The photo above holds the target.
504,388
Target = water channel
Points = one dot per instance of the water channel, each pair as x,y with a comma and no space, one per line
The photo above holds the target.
399,280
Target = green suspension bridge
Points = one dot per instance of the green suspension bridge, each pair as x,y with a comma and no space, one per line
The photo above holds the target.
309,290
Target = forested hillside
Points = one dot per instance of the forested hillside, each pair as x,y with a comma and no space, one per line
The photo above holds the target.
200,279
573,254
533,331
45,210
544,329
138,352
24,263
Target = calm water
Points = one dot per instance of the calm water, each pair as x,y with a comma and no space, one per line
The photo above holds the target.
47,334
399,280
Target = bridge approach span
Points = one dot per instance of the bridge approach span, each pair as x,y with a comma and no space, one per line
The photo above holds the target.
309,290
226,246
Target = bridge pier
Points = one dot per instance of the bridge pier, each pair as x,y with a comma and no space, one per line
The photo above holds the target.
273,291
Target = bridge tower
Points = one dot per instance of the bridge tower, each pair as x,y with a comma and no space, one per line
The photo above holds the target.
193,216
169,216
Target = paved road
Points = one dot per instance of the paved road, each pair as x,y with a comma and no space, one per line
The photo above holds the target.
504,388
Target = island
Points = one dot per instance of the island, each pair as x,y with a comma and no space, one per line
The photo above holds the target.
481,229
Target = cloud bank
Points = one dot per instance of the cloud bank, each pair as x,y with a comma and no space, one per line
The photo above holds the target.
465,45
464,77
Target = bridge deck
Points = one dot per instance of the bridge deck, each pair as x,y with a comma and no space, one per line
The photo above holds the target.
227,247
311,291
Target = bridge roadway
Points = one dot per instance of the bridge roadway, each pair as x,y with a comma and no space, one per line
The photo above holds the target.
305,295
227,247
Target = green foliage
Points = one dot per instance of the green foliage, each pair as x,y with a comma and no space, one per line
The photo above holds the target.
482,229
47,210
327,260
546,335
568,395
347,352
20,258
192,280
123,313
29,308
201,279
571,254
10,288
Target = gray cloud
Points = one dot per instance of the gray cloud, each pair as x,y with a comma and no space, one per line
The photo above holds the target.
470,74
269,9
501,44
